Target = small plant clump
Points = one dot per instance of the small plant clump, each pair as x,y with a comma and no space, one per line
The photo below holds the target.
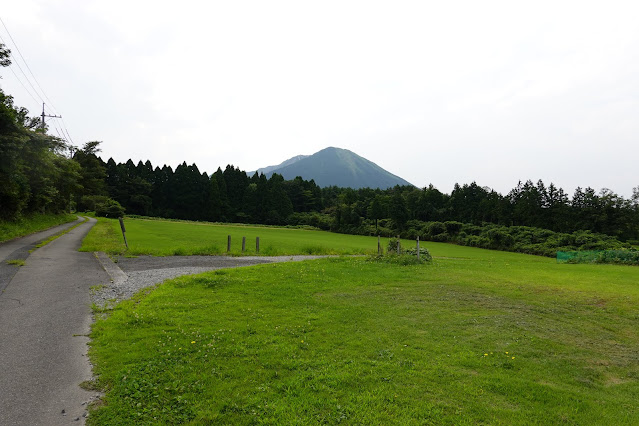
424,254
403,256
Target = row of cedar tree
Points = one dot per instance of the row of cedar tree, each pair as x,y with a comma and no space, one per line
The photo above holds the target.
230,195
40,173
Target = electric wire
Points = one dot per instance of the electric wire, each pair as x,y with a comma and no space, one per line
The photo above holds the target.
60,133
66,131
52,110
29,68
22,84
22,71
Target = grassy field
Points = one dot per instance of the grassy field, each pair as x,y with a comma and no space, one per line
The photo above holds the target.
169,238
475,337
33,223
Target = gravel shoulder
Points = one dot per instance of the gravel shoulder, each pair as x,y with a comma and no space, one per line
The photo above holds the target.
130,275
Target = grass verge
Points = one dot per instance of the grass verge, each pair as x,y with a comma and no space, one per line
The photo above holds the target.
475,337
32,223
105,236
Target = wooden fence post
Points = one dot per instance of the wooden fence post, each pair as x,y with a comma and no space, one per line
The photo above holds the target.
228,244
379,247
398,244
257,244
243,244
418,248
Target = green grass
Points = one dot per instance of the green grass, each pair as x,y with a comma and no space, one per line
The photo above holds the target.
168,238
32,223
475,337
16,262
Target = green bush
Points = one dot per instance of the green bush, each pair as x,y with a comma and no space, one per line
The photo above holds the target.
623,257
424,254
110,208
453,228
393,245
436,228
89,203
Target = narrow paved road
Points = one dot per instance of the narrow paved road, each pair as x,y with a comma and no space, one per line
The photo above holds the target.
18,249
44,322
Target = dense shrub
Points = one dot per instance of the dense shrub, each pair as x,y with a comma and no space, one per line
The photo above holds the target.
315,219
88,203
623,257
110,208
522,239
424,254
436,228
453,228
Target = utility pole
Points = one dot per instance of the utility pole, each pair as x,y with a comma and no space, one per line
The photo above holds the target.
46,115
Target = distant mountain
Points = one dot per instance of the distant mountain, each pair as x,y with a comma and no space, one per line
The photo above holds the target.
337,167
269,169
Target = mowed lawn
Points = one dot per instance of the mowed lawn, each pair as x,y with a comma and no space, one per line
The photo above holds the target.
169,238
475,337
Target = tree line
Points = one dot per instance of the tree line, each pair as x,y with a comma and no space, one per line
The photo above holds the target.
230,195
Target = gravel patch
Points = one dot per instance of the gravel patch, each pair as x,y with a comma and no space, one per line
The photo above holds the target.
130,275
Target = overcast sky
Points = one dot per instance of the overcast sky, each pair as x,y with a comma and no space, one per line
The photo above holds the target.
433,91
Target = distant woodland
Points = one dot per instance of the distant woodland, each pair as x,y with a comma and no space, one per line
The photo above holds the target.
42,173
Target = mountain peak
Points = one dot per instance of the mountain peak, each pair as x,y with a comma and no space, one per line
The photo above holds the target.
334,166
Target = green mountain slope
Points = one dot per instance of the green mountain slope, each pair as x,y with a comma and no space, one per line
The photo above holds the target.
340,167
268,170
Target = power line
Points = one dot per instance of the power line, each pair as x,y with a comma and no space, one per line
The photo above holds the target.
22,71
65,129
25,87
58,132
28,67
54,111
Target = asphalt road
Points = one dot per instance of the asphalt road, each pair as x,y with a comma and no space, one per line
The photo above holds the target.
18,249
44,321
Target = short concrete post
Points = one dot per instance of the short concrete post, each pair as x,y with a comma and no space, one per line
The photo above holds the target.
243,244
257,244
228,244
